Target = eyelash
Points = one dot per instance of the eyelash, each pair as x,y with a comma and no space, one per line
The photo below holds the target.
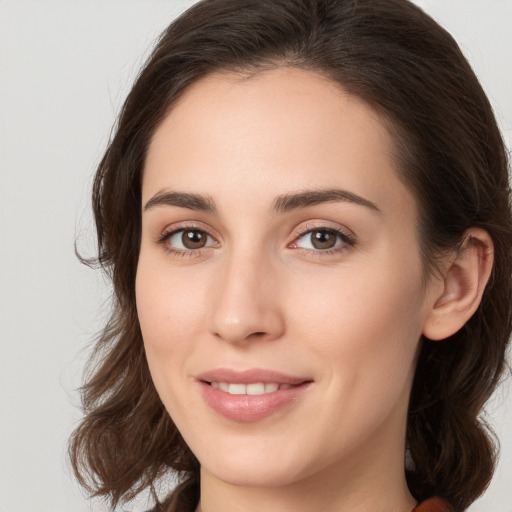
347,241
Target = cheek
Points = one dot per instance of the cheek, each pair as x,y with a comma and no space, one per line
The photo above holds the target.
169,312
363,324
357,300
168,305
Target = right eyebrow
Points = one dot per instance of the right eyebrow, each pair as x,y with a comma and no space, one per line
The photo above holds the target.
182,200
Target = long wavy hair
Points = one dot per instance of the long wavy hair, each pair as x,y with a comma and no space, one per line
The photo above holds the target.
449,153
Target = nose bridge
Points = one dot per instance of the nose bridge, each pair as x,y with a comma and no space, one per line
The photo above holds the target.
247,304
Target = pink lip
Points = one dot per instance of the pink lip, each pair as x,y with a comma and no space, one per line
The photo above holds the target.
248,376
246,408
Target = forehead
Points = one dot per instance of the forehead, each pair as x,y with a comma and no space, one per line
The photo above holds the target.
286,128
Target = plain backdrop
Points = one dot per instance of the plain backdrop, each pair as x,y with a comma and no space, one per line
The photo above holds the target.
65,67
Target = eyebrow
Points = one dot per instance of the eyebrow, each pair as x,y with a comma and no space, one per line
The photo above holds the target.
282,204
182,200
288,202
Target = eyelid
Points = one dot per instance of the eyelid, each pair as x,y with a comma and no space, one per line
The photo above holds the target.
190,225
318,225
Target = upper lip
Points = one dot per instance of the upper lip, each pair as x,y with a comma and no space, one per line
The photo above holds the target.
249,376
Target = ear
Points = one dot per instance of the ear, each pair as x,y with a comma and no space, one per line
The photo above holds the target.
458,292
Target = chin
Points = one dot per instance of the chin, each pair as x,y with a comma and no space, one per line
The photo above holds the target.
261,474
255,467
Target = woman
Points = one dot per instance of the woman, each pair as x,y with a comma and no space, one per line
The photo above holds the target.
305,212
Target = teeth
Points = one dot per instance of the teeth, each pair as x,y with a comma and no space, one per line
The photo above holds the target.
256,388
269,388
237,389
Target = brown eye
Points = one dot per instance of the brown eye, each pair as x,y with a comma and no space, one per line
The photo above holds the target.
188,240
323,239
193,239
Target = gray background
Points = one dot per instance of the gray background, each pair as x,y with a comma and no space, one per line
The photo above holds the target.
65,67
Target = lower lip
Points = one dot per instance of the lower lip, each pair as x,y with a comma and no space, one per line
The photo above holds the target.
250,407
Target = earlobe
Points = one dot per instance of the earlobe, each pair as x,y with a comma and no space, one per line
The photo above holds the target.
464,279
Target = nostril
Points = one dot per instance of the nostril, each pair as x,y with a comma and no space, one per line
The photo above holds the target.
256,335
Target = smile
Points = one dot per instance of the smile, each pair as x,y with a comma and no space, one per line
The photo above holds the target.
254,388
251,395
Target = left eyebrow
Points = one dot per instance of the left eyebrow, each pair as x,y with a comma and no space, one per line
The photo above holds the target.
292,201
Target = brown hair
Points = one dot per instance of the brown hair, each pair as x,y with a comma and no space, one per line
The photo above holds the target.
450,154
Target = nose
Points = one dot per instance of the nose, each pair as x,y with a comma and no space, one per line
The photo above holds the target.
247,304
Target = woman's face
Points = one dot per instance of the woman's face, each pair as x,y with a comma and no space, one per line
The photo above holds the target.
279,284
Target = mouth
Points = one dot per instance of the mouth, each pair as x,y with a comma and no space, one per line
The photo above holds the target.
251,395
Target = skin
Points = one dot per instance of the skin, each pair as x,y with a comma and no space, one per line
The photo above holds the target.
261,295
